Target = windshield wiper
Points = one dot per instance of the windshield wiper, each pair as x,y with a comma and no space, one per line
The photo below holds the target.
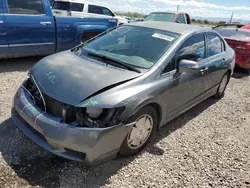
115,61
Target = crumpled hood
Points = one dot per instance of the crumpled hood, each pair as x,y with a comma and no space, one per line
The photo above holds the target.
70,79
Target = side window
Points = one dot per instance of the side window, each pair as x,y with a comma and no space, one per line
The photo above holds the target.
77,7
193,49
171,66
95,9
214,44
107,12
181,18
25,7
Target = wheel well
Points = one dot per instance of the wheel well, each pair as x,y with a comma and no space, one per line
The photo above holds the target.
158,109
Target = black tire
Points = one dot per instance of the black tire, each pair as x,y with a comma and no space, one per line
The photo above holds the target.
220,94
125,149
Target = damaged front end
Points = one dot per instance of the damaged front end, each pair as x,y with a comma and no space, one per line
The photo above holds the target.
78,116
89,134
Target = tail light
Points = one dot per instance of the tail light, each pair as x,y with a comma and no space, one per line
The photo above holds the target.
246,46
69,13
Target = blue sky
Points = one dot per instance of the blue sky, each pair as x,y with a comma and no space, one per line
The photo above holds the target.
201,8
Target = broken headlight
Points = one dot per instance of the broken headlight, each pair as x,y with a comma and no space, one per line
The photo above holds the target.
98,117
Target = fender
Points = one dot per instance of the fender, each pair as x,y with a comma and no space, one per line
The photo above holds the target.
82,29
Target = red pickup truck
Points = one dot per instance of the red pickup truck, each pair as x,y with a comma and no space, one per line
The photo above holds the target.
178,17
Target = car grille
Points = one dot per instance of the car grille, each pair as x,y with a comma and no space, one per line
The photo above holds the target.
53,107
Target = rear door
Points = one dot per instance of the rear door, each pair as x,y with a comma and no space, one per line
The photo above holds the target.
216,57
30,29
4,48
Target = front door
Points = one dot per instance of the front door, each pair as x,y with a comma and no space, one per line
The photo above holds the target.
188,87
30,29
4,48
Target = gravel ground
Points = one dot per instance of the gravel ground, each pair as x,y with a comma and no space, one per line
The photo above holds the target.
209,146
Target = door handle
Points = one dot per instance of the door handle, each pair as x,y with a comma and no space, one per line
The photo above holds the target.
45,23
203,70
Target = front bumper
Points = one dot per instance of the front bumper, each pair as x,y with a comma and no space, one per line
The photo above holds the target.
90,145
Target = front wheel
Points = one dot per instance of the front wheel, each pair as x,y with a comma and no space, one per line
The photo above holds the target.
222,87
141,133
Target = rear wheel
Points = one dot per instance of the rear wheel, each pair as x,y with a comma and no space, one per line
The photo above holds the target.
141,133
223,85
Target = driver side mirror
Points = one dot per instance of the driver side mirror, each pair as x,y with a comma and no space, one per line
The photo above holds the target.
187,66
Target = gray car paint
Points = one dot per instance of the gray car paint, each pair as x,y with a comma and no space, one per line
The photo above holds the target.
79,80
170,93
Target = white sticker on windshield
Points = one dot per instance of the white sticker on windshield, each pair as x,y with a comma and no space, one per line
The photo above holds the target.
164,37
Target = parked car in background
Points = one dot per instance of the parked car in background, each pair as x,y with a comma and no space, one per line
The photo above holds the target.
169,16
112,93
131,19
238,37
28,28
80,8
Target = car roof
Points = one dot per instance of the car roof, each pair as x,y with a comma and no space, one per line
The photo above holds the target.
172,27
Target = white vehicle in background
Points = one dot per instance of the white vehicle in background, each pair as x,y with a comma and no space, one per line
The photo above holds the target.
80,8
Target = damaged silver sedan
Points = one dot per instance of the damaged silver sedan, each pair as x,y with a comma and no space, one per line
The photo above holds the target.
111,94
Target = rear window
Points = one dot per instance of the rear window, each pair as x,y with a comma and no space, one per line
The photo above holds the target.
234,34
77,7
164,17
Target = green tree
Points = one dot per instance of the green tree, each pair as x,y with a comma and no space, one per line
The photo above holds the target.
206,22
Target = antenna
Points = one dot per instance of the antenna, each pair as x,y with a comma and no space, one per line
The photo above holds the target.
231,19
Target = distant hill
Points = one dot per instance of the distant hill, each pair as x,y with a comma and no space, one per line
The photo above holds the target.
217,19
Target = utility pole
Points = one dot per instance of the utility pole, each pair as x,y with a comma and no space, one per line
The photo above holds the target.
231,19
178,6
